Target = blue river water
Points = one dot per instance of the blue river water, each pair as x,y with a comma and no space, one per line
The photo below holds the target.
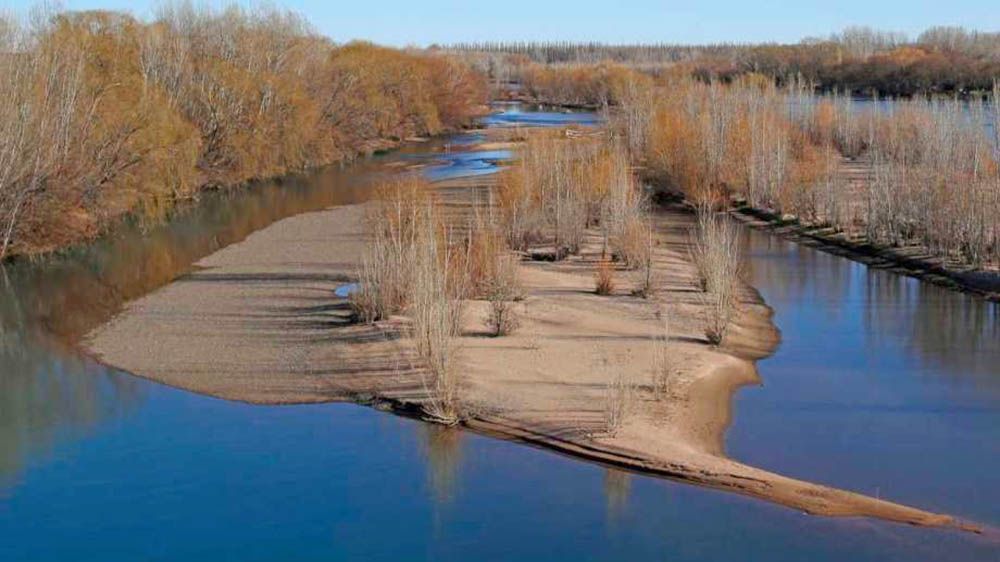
882,384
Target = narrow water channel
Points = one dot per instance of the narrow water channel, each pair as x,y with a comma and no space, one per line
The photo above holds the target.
881,382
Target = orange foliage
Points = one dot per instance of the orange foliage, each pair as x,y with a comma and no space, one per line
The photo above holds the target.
111,116
585,85
377,93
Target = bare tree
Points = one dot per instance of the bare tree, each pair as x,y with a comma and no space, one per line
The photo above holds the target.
716,255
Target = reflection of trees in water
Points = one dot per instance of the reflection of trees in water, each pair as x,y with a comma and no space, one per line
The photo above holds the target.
442,447
72,293
958,333
795,272
770,261
47,393
617,484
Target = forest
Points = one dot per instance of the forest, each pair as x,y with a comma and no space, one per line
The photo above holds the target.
103,116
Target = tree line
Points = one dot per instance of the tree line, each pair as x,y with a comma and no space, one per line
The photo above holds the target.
858,60
103,115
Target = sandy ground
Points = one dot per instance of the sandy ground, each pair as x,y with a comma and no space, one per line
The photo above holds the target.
259,322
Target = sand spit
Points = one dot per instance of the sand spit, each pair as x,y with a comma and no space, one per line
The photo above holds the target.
259,322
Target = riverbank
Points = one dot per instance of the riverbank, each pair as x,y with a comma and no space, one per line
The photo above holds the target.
259,322
912,261
145,129
82,239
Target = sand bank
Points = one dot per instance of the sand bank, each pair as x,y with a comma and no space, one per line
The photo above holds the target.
259,322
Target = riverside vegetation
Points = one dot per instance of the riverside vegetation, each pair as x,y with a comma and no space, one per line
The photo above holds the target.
920,173
561,188
104,116
930,178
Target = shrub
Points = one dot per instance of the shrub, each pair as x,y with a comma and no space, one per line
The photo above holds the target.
502,290
102,115
716,256
394,219
548,194
604,277
619,400
409,266
663,362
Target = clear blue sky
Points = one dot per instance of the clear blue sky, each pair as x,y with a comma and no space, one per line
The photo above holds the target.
402,22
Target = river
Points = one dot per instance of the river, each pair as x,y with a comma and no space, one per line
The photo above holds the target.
882,384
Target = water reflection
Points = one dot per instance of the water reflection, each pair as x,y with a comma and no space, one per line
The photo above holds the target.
442,449
48,392
617,485
70,294
950,331
468,163
881,382
519,114
956,332
48,396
